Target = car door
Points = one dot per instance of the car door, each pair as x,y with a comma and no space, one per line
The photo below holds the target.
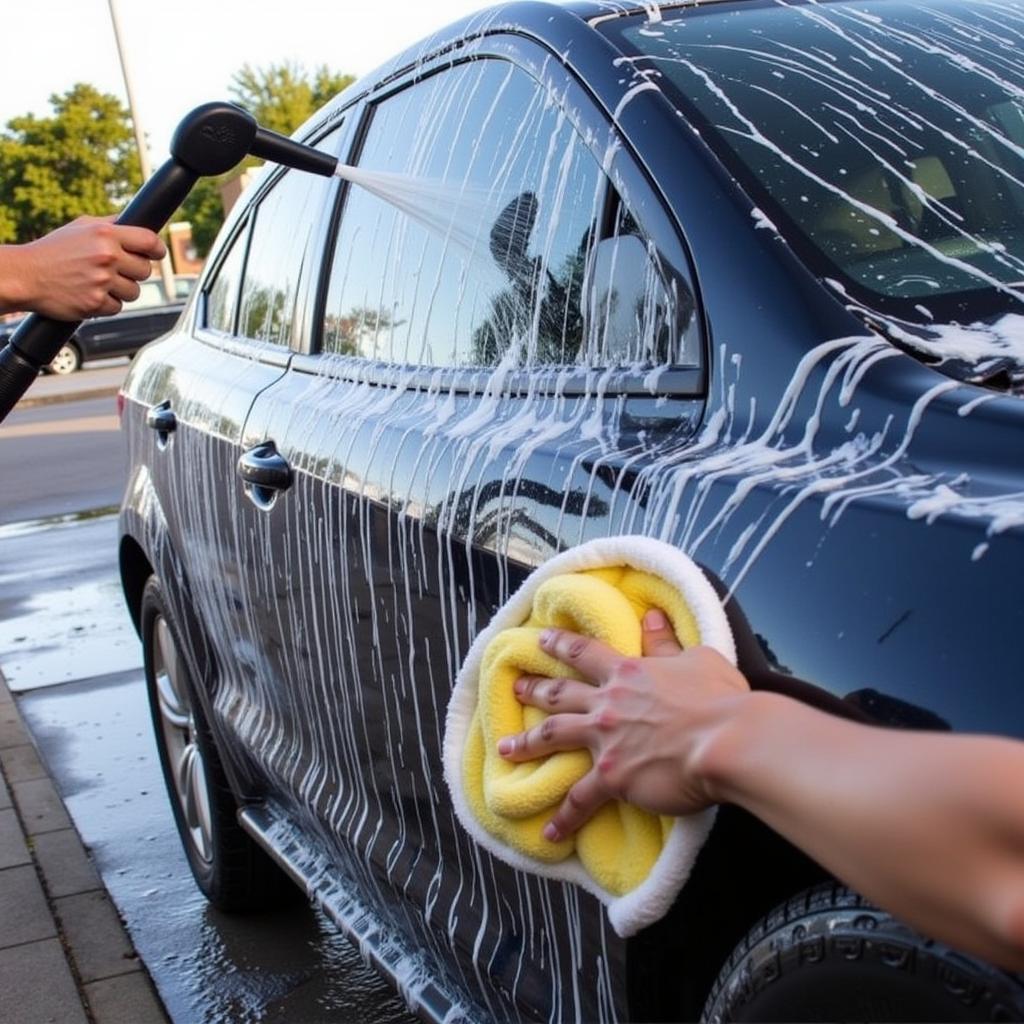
469,406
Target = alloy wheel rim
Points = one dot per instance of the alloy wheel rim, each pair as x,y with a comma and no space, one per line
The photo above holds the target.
64,361
184,757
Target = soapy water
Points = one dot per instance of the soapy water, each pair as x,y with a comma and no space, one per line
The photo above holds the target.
454,212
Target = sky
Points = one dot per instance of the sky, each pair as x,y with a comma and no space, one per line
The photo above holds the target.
184,53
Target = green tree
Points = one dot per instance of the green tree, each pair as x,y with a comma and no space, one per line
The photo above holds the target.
204,210
281,97
80,160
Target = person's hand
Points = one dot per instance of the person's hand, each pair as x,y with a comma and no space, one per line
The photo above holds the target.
86,268
647,722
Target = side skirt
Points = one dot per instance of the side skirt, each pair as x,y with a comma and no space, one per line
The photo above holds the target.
377,942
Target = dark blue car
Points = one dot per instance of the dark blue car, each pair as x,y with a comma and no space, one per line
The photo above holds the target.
743,276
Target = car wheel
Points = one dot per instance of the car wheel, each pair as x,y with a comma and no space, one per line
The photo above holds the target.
231,870
828,955
67,360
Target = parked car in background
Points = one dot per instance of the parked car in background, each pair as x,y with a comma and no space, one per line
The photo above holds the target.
123,334
743,276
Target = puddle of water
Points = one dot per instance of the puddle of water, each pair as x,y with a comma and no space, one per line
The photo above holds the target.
30,526
69,632
208,967
62,613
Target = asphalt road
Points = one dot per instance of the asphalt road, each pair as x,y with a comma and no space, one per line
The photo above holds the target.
62,456
68,649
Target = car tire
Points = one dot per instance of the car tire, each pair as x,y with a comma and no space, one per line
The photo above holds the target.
66,361
231,870
829,955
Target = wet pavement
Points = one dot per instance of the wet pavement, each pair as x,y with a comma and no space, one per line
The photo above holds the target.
67,645
61,457
62,616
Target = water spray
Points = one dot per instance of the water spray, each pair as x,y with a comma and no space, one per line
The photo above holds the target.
211,139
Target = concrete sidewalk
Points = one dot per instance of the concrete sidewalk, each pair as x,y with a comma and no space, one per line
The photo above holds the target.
95,380
64,954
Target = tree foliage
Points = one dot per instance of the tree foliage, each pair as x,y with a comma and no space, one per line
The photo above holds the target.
80,160
204,210
282,96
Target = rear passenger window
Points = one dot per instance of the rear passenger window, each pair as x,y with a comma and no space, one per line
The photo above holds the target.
467,242
284,221
222,294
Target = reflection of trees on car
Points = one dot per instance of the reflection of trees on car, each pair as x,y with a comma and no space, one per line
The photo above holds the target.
346,333
263,313
486,512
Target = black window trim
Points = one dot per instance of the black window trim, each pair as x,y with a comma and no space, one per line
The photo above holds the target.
677,381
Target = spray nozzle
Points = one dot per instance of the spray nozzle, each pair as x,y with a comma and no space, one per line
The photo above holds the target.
214,137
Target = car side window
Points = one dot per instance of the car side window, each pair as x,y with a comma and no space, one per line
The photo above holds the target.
466,236
284,220
222,292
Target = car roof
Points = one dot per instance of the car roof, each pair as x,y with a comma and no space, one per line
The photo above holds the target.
540,19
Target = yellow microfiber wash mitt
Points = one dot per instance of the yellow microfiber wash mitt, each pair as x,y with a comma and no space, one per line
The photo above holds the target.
634,861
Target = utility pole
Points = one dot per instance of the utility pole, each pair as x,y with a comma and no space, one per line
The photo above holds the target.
166,270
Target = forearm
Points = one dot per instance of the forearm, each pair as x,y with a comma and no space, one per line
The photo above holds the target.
931,826
14,291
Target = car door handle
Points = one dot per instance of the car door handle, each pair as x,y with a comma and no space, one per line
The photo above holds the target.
161,418
263,468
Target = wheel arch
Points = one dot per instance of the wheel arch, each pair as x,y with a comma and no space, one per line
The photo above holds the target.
135,570
744,870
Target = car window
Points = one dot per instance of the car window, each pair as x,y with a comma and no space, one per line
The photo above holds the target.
222,291
280,235
151,293
465,236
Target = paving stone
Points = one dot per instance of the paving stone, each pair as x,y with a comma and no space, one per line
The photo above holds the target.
41,808
13,850
37,986
23,909
99,946
22,763
65,864
128,999
5,794
12,732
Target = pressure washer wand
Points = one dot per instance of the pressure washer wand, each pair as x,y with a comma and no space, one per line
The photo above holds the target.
211,139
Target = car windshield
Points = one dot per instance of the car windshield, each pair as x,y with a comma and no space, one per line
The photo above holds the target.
883,139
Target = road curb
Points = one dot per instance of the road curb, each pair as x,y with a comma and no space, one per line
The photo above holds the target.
64,952
67,396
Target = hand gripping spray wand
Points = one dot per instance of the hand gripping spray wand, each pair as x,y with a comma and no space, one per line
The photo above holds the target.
211,139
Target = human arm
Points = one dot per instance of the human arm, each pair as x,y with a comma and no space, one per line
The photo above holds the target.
86,268
928,825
